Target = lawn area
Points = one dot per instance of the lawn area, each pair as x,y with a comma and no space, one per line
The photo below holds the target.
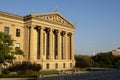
33,75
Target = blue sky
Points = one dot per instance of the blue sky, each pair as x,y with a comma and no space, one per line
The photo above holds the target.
97,21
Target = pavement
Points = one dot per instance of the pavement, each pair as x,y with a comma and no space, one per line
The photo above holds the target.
93,75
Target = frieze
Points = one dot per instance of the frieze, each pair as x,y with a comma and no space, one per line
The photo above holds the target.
55,18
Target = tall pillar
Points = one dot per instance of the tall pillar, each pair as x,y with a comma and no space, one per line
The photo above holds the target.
53,42
63,45
69,46
59,45
66,47
44,45
27,42
33,44
72,46
38,42
51,55
41,43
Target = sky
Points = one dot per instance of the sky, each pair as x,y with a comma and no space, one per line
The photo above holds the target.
97,21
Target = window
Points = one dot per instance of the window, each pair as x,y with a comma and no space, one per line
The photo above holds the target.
56,65
17,46
47,66
18,32
63,65
70,65
6,30
6,44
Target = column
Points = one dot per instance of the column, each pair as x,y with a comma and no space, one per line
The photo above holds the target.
69,46
53,42
33,44
44,45
59,45
51,55
38,28
66,47
63,45
27,43
41,43
47,42
72,46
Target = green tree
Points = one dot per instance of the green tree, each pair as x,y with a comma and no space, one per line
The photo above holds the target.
6,50
116,62
103,60
83,61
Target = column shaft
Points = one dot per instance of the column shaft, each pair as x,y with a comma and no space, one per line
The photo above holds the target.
72,46
66,47
41,43
33,44
51,55
44,45
59,45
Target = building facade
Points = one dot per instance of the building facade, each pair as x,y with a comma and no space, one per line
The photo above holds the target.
116,52
46,39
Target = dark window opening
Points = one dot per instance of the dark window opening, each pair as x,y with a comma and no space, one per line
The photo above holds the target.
56,65
18,32
47,66
64,65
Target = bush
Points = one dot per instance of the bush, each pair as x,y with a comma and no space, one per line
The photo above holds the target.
83,61
5,71
25,67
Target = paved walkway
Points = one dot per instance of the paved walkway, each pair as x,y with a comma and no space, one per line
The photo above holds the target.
98,75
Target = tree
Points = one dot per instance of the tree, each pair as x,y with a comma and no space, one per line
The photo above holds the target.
6,48
83,61
116,62
103,60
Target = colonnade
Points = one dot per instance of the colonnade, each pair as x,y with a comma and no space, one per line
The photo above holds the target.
50,44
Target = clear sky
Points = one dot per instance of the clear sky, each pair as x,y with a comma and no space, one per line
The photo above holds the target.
97,21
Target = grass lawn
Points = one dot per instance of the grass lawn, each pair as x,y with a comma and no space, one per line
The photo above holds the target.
36,74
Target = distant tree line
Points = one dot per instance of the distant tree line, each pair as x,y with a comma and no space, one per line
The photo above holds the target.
105,60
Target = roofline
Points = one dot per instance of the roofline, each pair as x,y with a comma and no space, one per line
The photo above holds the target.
11,15
14,16
55,13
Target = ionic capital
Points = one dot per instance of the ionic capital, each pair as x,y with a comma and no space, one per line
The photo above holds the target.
63,33
69,33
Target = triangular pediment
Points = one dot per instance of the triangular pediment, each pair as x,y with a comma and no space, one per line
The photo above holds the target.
55,17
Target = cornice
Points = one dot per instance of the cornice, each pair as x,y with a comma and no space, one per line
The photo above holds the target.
53,22
55,13
9,15
33,16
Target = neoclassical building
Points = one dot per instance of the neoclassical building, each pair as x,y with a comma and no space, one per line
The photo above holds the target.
46,39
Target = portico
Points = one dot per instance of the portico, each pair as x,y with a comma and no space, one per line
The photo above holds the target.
50,45
51,41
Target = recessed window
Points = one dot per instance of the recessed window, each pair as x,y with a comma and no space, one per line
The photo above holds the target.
17,46
56,65
18,32
70,65
6,30
64,65
47,66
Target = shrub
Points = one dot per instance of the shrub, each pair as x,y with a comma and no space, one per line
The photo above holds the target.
25,67
5,71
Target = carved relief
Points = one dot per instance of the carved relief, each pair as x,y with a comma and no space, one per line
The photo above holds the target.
54,18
